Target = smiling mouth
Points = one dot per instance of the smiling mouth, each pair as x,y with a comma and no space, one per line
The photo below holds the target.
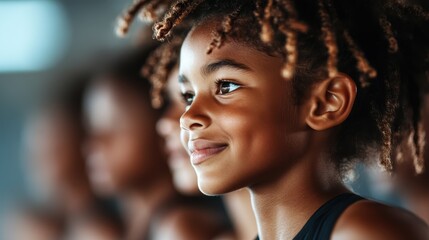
201,150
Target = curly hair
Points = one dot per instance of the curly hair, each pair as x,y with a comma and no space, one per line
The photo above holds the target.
381,44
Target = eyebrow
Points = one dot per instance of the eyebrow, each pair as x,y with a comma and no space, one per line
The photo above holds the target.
215,66
183,79
228,63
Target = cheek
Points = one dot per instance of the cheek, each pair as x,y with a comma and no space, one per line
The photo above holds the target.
130,150
129,141
119,156
261,136
256,124
127,150
137,154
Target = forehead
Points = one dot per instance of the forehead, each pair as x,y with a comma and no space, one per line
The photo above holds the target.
107,92
194,50
107,102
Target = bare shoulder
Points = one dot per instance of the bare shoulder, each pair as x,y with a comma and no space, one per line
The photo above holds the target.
371,220
187,224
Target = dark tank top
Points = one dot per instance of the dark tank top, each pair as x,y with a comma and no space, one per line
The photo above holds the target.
321,223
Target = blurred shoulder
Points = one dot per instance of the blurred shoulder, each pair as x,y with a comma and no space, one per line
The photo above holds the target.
372,220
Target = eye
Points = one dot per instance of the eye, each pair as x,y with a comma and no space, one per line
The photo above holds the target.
225,87
188,98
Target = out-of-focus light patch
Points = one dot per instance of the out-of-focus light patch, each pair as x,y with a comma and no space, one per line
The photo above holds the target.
33,34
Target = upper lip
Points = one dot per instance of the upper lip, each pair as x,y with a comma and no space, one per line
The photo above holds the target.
201,144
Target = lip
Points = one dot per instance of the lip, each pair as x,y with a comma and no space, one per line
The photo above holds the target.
201,150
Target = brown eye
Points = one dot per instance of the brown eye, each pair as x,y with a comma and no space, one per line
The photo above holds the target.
225,87
188,98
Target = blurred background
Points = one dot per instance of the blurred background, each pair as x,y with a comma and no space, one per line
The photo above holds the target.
40,40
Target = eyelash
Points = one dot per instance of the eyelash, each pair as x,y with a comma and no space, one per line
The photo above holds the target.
219,83
188,96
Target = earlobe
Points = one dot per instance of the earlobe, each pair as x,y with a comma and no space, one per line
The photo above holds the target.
331,102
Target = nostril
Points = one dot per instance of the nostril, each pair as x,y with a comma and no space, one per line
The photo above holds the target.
192,122
187,123
195,125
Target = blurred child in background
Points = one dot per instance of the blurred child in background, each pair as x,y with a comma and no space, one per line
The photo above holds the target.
55,161
53,138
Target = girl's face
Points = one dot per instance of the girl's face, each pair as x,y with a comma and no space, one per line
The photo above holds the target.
184,177
123,151
241,126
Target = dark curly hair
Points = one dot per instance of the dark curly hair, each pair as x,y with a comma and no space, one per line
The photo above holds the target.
382,44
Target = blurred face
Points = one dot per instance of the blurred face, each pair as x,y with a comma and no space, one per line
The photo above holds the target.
241,126
123,150
184,177
54,152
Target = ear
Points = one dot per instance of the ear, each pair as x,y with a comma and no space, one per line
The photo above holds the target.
331,102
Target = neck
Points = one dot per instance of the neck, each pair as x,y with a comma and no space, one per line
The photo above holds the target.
241,213
140,204
283,205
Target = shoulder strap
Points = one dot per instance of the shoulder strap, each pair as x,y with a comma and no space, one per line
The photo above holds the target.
322,222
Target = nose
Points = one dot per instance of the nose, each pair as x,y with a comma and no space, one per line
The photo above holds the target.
196,117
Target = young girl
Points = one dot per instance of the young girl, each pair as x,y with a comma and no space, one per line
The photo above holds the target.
53,138
282,95
57,166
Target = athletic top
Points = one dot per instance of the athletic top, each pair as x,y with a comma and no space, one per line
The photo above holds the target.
322,222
